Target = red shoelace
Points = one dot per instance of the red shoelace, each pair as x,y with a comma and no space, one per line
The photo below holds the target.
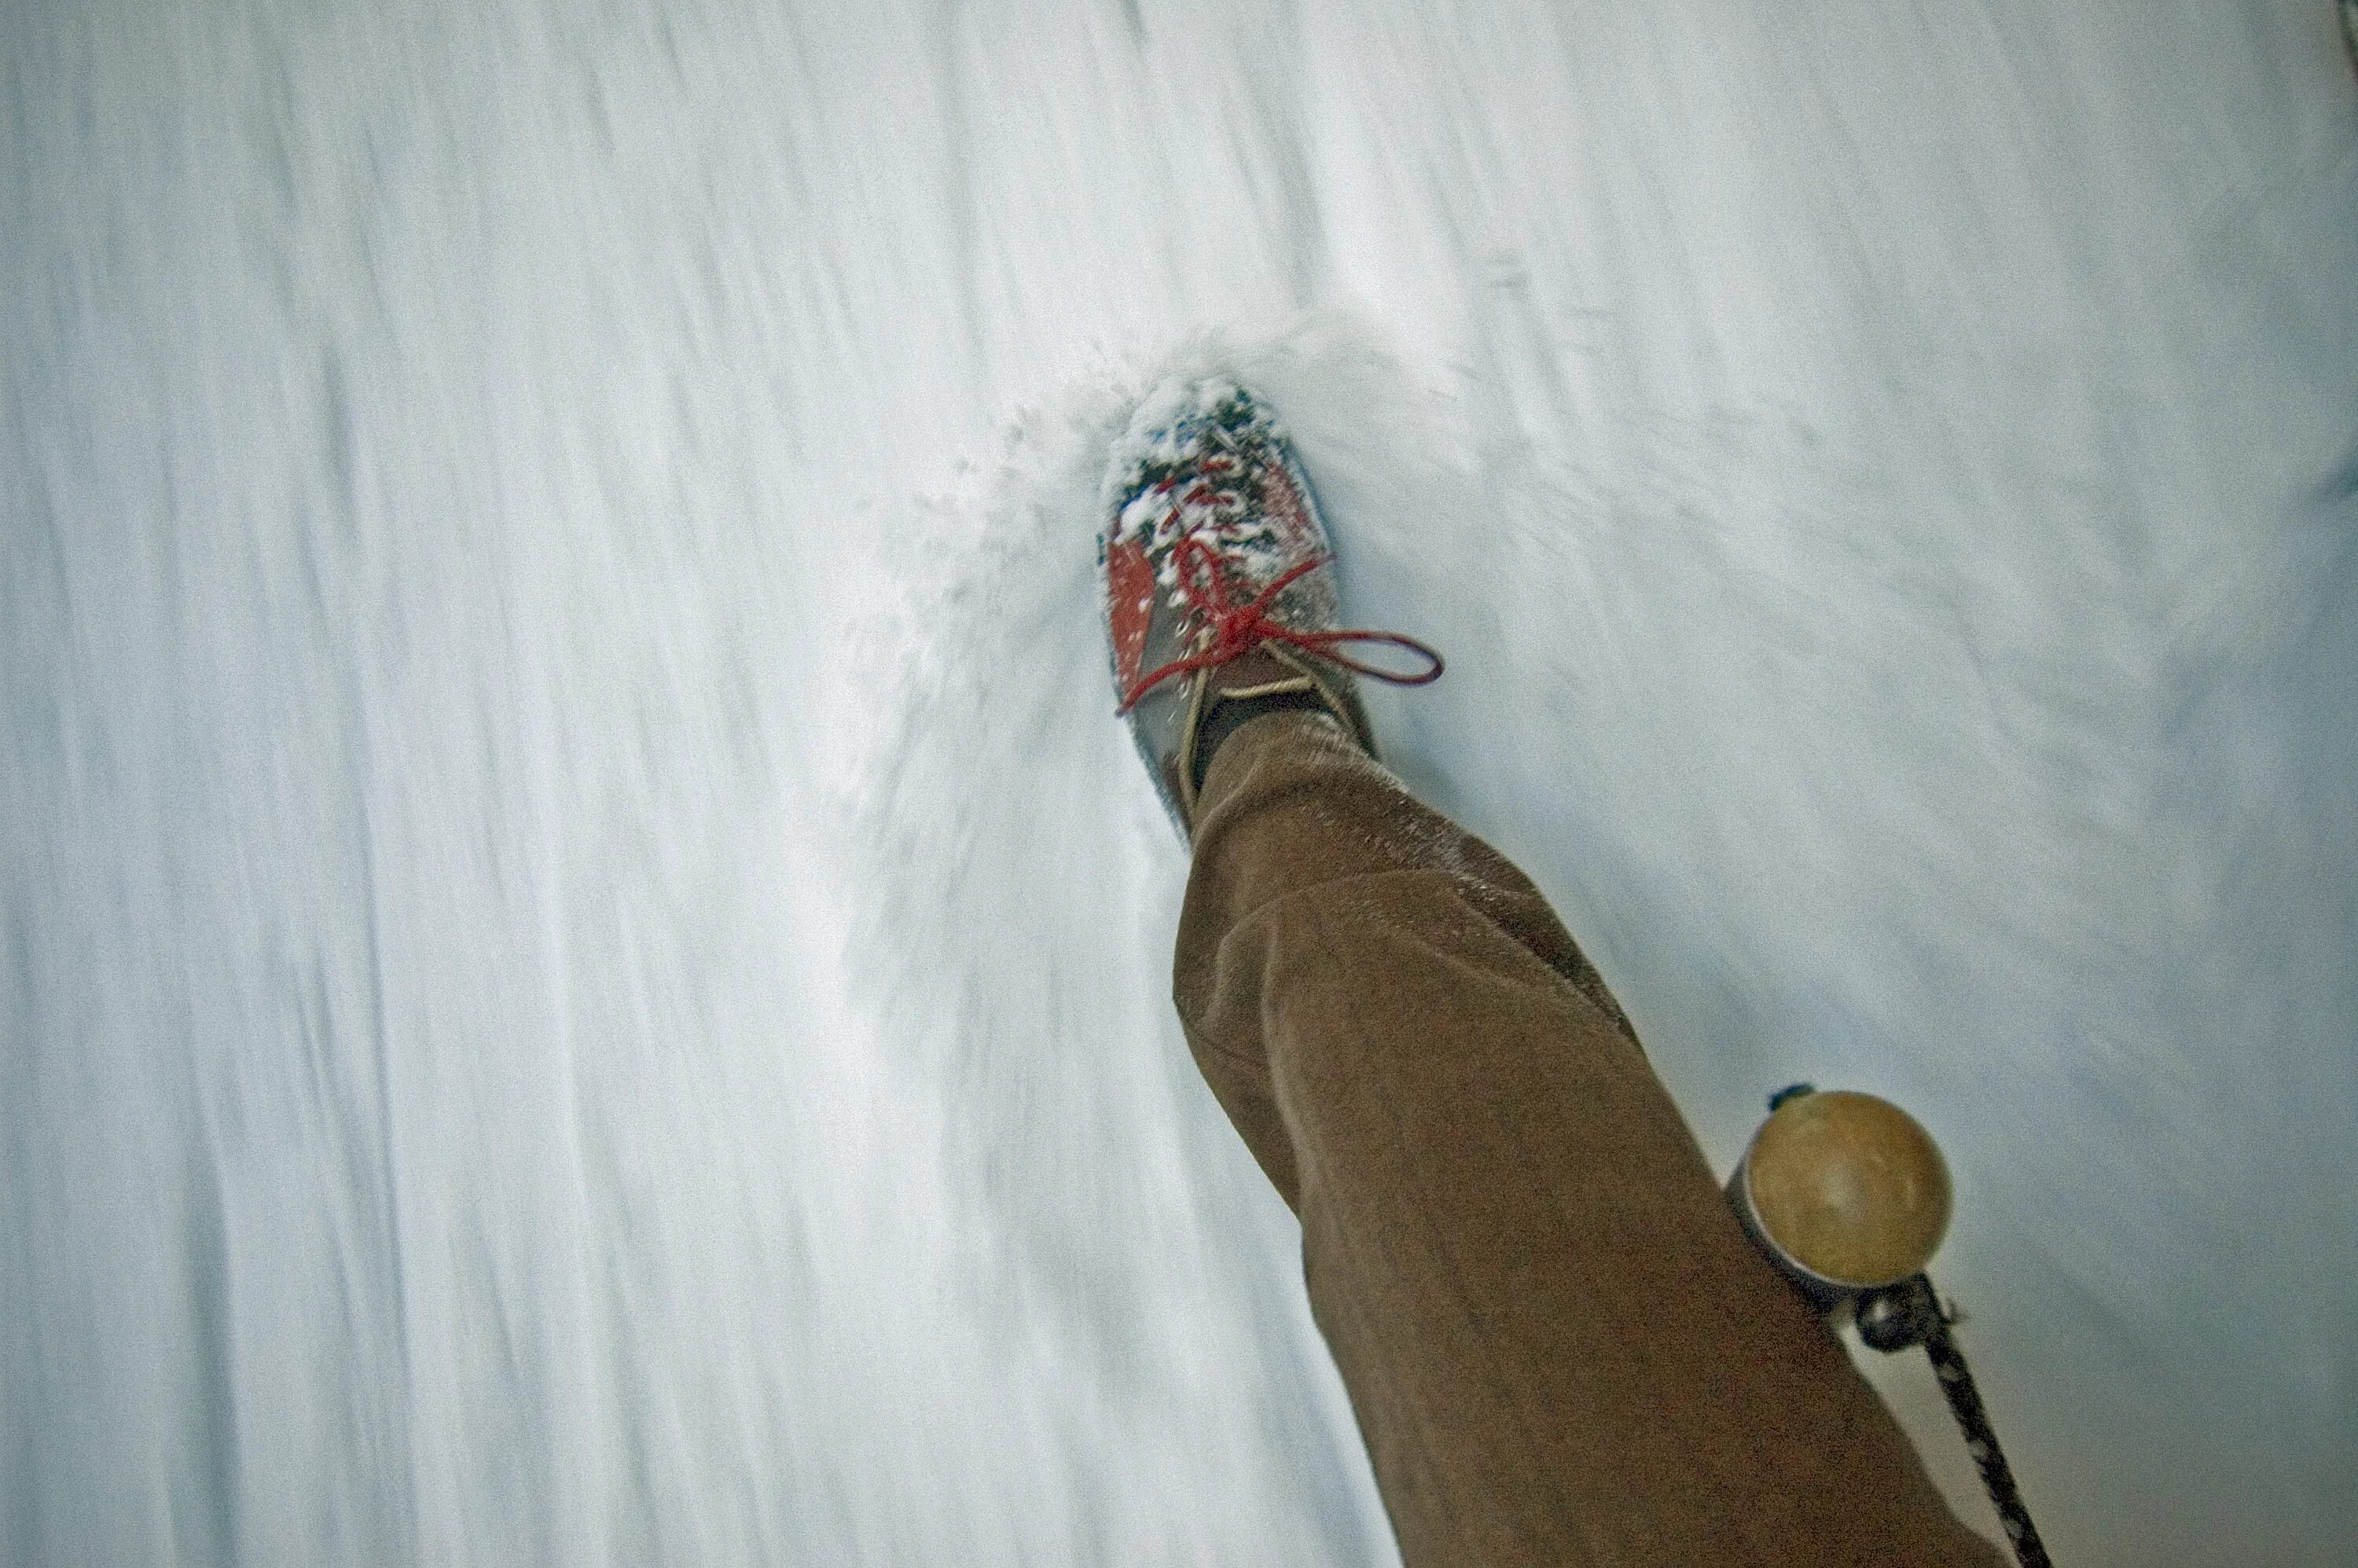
1238,628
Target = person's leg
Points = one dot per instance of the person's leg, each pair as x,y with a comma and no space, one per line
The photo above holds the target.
1559,1345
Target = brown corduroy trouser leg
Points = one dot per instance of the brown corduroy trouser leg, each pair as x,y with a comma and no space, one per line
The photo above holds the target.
1560,1346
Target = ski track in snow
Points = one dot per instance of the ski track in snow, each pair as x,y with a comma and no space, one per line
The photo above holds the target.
581,953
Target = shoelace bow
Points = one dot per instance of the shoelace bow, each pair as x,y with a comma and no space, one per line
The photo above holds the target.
1239,628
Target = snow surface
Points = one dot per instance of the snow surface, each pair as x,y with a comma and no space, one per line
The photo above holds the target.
581,957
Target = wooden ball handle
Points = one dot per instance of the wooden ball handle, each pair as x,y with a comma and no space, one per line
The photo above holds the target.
1845,1190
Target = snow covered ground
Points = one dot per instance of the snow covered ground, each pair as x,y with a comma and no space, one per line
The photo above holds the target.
581,953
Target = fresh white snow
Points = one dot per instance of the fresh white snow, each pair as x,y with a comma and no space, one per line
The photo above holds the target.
581,953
